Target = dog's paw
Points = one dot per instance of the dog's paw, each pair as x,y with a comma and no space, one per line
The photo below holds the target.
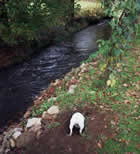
69,134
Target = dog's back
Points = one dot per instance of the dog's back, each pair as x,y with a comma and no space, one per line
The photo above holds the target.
77,120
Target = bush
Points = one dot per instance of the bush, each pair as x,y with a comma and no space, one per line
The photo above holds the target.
22,21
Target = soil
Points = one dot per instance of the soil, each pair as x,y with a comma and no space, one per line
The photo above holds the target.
55,139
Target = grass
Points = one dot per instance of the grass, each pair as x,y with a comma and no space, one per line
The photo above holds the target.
127,139
89,5
123,98
89,8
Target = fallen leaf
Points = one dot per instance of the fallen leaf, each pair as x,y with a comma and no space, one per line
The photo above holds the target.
108,83
125,85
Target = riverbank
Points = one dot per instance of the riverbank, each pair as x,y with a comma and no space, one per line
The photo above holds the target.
112,112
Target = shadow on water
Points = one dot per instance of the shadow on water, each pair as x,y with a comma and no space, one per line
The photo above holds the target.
19,84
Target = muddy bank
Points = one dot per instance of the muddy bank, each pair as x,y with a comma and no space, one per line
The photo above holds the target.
55,139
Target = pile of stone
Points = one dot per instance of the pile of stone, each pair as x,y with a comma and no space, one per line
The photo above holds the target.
20,137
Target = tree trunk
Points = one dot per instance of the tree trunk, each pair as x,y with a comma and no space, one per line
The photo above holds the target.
3,15
72,12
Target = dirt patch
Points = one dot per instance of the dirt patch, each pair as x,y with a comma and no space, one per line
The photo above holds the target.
55,139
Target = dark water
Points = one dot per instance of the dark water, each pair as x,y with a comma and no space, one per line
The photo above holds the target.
21,83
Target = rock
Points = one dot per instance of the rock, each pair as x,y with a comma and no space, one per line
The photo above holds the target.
1,150
56,82
12,143
77,70
27,114
80,74
52,99
18,129
5,145
113,122
1,139
24,139
16,134
35,128
53,110
71,89
47,116
80,79
7,150
38,134
101,107
92,92
83,70
5,142
66,78
33,122
44,115
83,65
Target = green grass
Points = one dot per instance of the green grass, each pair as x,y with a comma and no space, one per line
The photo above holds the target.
90,8
127,139
137,40
89,5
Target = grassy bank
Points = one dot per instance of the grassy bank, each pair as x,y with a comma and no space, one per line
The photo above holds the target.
122,98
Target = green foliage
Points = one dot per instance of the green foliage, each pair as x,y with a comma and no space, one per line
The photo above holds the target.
90,8
53,125
22,21
124,25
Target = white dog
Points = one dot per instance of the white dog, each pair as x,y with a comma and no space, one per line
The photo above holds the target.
77,120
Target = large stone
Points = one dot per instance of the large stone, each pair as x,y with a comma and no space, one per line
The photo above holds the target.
35,128
16,135
83,70
1,150
83,65
27,114
1,139
56,82
33,122
52,99
18,129
38,134
92,92
53,110
12,143
47,116
7,151
71,89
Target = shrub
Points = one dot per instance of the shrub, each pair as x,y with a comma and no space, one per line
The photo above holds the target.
21,21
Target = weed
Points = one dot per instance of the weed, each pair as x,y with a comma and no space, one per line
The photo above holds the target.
53,125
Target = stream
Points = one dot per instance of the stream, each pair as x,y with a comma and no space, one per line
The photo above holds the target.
19,84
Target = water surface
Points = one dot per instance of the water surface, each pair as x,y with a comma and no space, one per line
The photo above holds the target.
20,84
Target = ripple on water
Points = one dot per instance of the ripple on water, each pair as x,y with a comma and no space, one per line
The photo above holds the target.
21,83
